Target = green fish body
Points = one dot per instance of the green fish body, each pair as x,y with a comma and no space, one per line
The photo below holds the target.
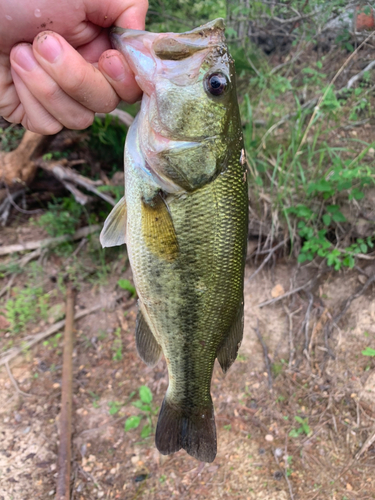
184,219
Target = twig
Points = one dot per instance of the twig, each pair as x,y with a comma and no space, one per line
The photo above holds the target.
64,456
284,471
14,382
359,75
7,356
123,116
266,357
270,252
17,207
7,286
50,242
369,441
287,294
307,320
6,204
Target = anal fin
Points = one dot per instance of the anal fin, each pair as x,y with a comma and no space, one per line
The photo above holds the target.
114,229
148,348
227,353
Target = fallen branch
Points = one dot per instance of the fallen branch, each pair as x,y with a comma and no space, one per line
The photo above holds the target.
7,356
50,242
67,176
65,452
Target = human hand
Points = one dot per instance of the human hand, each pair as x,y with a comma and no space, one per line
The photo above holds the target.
61,78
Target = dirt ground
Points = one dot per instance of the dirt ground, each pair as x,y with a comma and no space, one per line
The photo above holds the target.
299,430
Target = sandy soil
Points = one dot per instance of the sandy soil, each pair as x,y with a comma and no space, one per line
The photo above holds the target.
257,457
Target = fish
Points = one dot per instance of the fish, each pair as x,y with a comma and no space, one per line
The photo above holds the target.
184,219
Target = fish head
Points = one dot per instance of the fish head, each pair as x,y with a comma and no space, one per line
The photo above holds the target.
189,116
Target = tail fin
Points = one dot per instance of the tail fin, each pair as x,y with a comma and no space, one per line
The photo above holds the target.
194,432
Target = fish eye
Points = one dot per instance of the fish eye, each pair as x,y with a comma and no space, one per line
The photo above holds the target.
216,84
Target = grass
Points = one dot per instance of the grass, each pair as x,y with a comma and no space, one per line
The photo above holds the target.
304,173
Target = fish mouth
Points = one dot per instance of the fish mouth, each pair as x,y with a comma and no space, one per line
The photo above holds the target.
149,54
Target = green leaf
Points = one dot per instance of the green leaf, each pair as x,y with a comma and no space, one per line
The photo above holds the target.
126,285
146,431
132,423
369,352
142,406
114,407
258,181
326,219
145,394
338,217
295,433
302,257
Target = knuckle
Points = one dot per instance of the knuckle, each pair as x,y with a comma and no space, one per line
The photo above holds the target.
77,84
52,93
48,127
82,121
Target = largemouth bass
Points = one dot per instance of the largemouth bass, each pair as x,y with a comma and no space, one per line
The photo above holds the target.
184,218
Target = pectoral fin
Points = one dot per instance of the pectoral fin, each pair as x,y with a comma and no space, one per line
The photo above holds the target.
114,229
148,349
228,351
158,229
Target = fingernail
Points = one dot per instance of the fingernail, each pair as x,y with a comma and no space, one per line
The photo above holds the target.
48,47
114,68
24,57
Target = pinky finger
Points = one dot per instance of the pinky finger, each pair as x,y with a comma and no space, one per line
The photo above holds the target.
31,113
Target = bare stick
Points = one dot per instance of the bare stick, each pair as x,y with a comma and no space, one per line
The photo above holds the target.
50,242
64,456
14,382
287,294
359,75
67,176
270,254
369,441
7,356
266,357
